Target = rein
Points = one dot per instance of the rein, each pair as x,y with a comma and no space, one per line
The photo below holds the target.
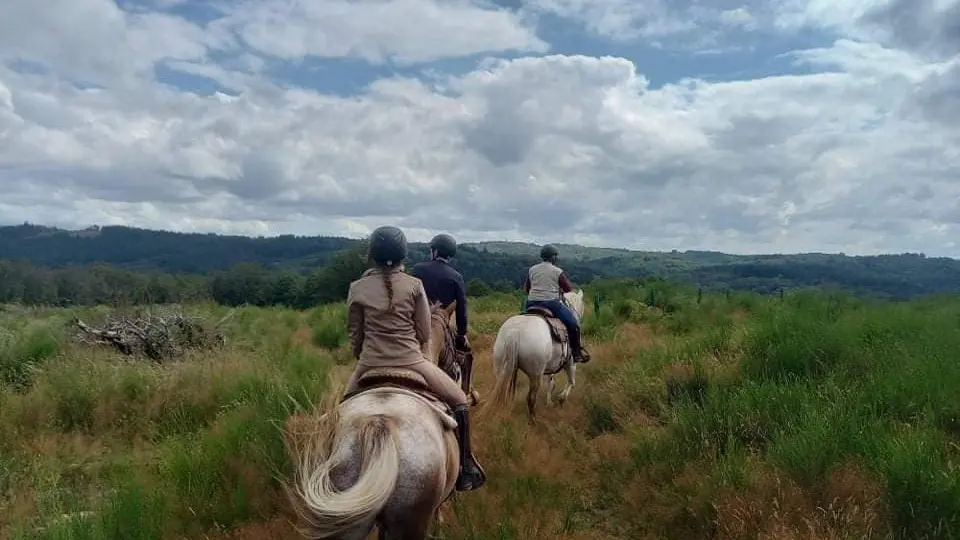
449,359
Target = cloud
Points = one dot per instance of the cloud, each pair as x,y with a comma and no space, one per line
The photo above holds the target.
846,153
622,19
94,41
926,26
404,31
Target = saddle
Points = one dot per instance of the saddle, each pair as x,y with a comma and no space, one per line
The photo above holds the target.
397,380
558,333
557,329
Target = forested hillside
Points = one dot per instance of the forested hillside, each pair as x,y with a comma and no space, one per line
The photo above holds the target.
44,265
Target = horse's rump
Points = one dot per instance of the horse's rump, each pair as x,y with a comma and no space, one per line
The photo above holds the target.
376,458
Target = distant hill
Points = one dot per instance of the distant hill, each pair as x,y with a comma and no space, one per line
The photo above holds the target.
892,276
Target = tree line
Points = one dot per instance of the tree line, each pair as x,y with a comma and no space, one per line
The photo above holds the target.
243,283
113,265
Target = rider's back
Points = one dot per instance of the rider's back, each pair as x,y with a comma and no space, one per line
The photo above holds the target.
440,280
392,336
544,281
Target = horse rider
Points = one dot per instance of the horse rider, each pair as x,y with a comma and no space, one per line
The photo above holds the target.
388,319
544,285
444,283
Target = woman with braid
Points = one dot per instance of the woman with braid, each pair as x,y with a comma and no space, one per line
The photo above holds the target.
389,323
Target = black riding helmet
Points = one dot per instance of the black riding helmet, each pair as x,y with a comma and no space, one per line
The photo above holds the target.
388,246
548,252
445,245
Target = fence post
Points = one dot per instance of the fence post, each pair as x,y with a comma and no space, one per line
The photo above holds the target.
596,304
699,294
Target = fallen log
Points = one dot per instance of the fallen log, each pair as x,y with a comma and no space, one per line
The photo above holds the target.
156,337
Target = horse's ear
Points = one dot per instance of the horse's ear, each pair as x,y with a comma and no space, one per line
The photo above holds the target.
451,308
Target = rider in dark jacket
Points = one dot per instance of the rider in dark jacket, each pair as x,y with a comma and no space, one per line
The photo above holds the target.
444,283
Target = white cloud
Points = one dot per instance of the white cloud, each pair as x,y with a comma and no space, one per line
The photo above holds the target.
405,31
870,59
93,41
620,19
739,16
554,148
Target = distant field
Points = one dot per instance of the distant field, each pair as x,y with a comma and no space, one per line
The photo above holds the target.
812,417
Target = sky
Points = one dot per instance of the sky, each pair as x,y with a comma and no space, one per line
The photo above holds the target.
743,126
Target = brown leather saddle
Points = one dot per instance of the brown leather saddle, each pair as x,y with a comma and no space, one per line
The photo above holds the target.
399,377
557,329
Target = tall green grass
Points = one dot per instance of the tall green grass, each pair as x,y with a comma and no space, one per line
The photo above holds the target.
828,380
130,449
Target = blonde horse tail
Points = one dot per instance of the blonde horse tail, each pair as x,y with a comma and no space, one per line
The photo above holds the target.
509,358
328,511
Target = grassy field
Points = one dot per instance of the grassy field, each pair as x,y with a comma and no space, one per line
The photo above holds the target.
814,416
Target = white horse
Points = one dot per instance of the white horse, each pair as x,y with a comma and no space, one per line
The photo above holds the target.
524,344
385,457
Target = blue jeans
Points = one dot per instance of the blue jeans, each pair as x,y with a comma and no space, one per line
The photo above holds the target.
562,312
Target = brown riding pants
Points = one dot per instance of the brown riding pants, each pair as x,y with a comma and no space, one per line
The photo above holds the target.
437,380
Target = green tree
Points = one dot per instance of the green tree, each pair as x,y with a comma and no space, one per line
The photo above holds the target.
332,283
478,287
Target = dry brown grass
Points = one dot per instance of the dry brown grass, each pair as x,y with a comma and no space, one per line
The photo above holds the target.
772,507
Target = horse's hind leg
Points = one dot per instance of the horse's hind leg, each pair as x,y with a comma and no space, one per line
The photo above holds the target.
419,529
535,381
551,387
571,371
434,533
359,533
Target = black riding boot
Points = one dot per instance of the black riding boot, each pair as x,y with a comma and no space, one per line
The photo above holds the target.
471,474
579,354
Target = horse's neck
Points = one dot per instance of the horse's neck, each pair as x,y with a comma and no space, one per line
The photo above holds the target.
438,336
572,305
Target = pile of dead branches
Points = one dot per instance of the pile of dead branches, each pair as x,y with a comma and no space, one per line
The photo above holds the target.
158,337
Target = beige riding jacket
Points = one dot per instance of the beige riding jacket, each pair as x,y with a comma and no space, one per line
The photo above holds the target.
381,335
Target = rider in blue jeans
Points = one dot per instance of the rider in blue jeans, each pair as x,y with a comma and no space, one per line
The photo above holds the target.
544,285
